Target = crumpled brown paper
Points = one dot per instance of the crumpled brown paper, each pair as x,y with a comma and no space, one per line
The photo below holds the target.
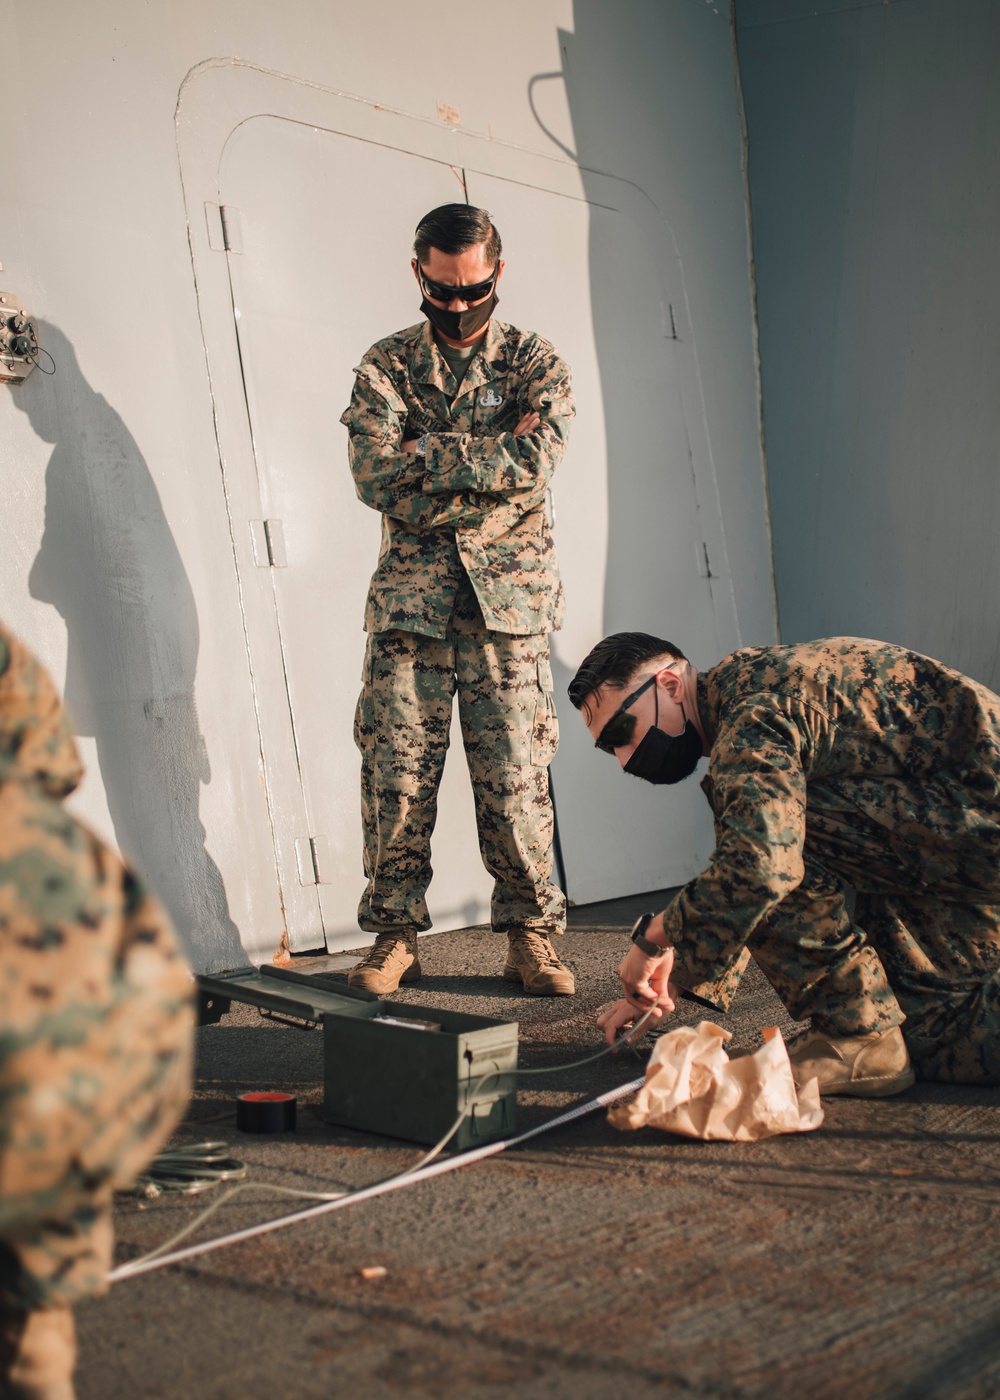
692,1087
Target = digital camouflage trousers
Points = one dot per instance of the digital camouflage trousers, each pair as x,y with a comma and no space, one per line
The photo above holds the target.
509,731
925,958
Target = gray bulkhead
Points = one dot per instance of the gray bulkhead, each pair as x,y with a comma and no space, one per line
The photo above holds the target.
873,132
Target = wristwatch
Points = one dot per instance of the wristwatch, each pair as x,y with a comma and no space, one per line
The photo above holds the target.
652,950
421,448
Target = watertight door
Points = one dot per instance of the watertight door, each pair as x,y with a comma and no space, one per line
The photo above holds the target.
324,222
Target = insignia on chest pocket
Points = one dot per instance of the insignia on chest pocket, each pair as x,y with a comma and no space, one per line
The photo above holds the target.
490,399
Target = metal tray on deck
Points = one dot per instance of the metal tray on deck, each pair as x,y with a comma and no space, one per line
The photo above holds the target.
293,995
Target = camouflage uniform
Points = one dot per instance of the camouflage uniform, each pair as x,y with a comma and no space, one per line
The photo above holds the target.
464,595
95,1015
852,761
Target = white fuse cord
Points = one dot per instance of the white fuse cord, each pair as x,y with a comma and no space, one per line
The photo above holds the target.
381,1188
422,1170
267,1186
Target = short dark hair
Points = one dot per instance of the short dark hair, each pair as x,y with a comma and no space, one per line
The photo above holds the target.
454,228
615,661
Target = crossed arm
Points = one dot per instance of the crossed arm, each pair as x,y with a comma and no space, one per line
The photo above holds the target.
527,423
462,478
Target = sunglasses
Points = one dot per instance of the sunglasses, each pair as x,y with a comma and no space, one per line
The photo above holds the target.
621,726
440,291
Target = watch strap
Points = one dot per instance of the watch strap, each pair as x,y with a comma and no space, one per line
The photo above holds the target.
645,945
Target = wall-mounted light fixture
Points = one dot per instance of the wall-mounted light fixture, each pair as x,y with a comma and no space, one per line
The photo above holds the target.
18,341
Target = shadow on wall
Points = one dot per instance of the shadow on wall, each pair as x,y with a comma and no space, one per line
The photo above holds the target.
611,88
109,564
599,65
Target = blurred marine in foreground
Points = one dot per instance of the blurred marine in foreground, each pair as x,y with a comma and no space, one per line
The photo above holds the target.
95,1037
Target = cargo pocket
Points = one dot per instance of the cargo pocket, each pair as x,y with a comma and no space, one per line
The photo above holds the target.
545,731
364,712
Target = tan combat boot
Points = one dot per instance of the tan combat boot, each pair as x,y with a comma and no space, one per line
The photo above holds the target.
872,1066
38,1352
532,961
392,960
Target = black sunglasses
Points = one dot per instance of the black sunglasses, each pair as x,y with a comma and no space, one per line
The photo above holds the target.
621,726
440,291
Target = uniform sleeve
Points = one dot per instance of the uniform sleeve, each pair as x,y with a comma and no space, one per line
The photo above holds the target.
389,480
513,468
758,786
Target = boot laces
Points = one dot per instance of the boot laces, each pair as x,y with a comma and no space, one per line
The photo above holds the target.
540,949
386,945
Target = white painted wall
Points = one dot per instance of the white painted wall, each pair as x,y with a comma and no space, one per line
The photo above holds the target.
121,559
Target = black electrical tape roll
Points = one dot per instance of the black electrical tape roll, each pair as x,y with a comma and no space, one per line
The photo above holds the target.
265,1113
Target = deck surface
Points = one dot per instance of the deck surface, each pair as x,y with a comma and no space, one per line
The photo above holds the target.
859,1261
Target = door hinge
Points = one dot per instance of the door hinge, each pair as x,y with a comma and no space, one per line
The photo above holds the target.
268,537
701,557
225,234
232,229
314,859
669,321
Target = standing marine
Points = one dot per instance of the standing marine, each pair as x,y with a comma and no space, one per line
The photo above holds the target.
832,764
96,1030
456,426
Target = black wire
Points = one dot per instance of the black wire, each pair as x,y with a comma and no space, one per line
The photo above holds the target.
34,360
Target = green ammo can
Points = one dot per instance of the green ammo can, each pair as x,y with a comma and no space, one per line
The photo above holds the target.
389,1067
411,1070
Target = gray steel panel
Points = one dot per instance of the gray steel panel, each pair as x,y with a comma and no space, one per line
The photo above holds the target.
873,167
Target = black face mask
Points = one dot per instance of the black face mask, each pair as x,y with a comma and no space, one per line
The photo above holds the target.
460,325
666,758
